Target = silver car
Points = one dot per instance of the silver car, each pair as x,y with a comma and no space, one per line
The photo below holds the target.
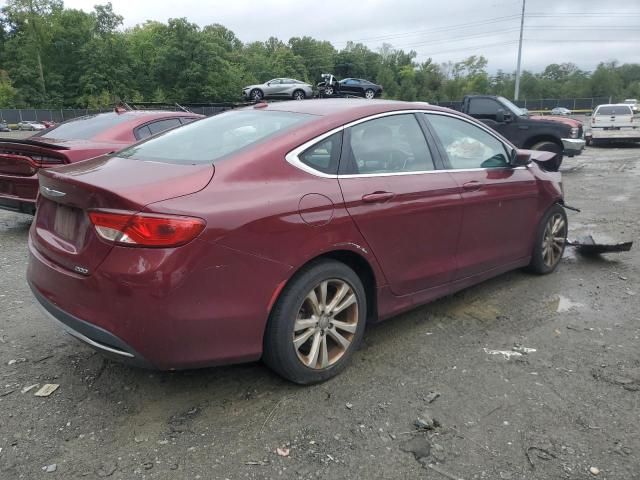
278,88
31,125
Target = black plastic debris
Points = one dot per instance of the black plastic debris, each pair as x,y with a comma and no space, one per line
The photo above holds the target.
586,245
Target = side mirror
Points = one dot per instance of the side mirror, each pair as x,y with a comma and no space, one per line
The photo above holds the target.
520,158
500,116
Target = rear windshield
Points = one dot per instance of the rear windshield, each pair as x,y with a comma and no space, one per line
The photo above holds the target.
614,110
214,137
85,128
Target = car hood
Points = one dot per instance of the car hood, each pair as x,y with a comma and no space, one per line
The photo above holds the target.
564,120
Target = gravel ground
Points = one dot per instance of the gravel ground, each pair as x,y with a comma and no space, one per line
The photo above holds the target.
568,410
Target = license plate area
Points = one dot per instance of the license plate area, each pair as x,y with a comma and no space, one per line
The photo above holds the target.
66,222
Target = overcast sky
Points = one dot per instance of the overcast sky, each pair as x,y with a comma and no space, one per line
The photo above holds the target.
585,32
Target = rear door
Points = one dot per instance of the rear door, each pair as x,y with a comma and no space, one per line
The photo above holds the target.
408,212
500,202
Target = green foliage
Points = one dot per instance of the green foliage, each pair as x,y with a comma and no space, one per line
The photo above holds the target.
59,57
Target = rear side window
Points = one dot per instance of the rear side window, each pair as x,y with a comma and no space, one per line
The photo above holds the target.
85,128
215,137
324,156
614,110
392,144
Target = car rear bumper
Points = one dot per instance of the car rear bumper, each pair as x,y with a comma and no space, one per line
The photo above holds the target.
624,133
573,146
193,306
18,193
92,335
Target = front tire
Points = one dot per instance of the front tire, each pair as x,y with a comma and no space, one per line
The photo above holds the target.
316,324
256,95
369,94
549,146
328,90
298,95
551,239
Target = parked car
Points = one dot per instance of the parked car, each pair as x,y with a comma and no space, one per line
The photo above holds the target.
69,142
560,111
560,135
633,103
4,127
30,125
278,88
279,230
614,122
330,86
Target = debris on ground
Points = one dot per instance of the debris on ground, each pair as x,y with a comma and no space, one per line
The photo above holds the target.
30,387
426,422
431,397
283,451
50,468
563,304
524,350
594,470
349,405
507,354
47,389
586,245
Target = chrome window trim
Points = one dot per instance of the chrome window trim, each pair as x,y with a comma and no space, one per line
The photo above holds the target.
293,156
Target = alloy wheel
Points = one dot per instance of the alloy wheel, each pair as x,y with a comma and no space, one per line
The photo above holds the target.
328,91
553,240
326,324
298,95
369,94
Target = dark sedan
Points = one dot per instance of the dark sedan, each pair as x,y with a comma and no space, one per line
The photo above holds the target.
280,230
359,87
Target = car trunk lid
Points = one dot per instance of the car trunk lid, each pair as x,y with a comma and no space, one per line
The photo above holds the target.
25,157
62,230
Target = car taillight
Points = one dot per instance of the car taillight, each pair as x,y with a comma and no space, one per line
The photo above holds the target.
145,230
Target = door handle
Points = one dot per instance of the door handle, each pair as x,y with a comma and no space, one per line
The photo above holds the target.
472,186
378,197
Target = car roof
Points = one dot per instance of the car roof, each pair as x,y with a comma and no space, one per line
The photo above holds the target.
614,105
348,107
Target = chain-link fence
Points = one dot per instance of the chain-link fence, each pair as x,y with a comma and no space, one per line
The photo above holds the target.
13,116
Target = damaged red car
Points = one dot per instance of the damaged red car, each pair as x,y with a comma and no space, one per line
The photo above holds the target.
72,141
279,231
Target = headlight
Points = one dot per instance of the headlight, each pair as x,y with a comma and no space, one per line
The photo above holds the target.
574,132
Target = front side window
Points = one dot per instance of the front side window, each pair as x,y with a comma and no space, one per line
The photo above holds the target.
325,155
468,146
212,138
392,144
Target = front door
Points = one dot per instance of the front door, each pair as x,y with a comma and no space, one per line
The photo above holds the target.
499,200
408,212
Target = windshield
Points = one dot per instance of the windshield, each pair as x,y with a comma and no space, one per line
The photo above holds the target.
215,137
85,128
614,110
513,107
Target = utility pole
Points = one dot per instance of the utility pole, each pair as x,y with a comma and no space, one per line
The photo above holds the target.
515,97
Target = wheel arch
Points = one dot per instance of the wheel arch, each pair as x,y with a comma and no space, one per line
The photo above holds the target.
542,138
357,262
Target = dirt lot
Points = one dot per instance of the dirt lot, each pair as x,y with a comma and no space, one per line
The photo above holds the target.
569,409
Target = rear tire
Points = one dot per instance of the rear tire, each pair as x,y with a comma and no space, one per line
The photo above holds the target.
550,242
549,146
317,323
328,90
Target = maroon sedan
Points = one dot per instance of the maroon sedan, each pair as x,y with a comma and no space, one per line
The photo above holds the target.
72,141
279,231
